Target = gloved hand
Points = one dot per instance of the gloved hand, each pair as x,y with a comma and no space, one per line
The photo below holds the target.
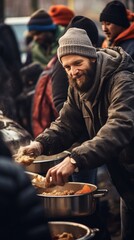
27,154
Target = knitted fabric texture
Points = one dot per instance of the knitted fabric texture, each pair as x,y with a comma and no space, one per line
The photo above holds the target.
61,14
115,12
41,21
75,42
88,25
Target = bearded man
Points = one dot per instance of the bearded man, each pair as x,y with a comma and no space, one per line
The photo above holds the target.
100,100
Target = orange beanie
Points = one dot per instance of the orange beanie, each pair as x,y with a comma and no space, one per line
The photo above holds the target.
61,14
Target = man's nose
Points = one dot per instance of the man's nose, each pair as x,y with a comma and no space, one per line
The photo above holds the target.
74,71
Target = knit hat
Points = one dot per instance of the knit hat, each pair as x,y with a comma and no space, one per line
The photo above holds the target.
75,41
40,21
61,14
88,25
115,12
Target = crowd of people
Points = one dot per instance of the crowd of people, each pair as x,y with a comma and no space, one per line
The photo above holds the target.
90,91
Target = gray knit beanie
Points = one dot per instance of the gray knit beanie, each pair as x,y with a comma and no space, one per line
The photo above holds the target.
75,41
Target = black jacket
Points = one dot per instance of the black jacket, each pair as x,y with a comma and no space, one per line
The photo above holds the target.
21,213
59,86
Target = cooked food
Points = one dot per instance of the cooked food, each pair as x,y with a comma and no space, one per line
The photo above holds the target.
85,189
24,159
63,236
40,181
55,192
59,193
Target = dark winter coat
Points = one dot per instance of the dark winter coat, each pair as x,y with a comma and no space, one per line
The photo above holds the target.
59,86
22,216
7,99
10,79
107,111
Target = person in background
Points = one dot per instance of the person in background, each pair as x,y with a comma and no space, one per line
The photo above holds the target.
61,16
44,35
117,26
22,214
45,28
100,100
43,110
42,47
44,44
10,79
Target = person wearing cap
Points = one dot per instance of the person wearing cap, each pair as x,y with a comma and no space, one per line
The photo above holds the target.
60,85
101,101
40,51
59,77
117,26
61,16
59,82
44,35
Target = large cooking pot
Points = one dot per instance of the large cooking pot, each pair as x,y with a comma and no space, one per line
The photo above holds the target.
69,205
79,231
42,163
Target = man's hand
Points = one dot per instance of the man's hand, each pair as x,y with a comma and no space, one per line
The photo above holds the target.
33,150
60,173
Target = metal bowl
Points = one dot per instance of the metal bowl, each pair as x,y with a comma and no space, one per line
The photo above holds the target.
79,231
70,205
43,162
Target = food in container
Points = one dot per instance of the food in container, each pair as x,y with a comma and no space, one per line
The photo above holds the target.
81,204
71,231
62,206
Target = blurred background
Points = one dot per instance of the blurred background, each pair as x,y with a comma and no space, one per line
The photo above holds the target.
16,13
89,8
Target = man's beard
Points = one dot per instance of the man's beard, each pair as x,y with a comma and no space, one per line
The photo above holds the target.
83,82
